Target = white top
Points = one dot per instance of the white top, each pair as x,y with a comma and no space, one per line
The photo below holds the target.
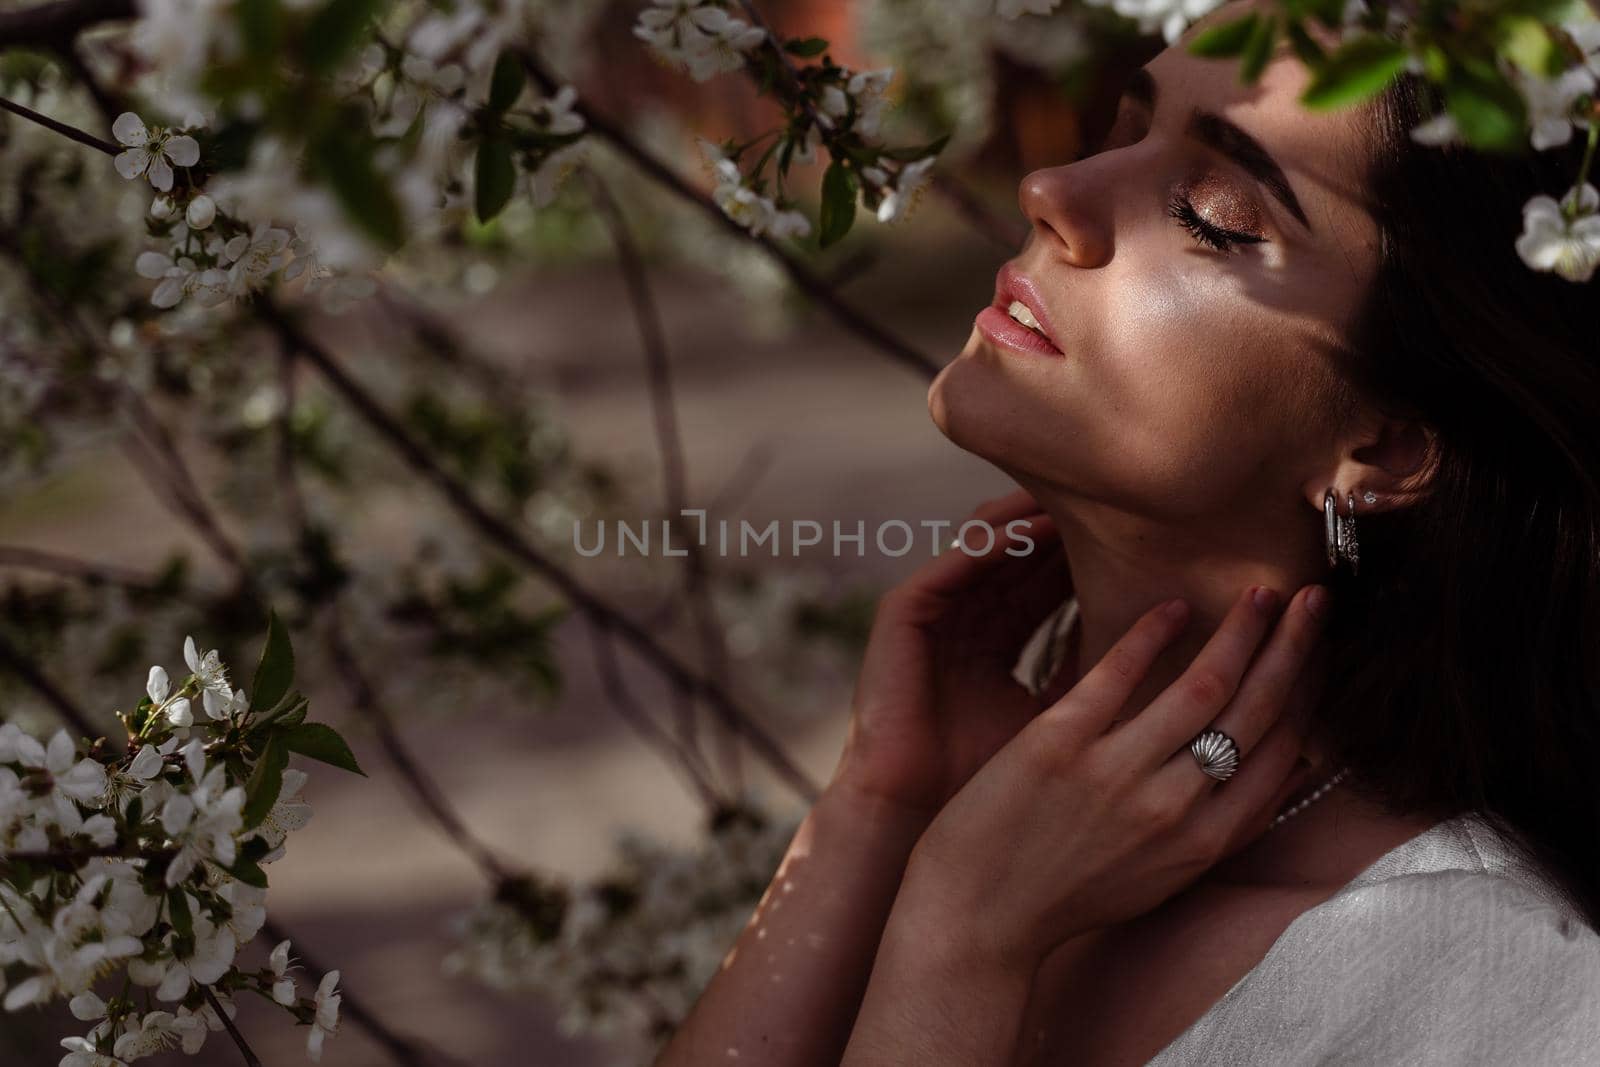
1447,950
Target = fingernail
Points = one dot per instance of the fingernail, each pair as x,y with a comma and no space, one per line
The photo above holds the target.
1265,598
1317,601
1175,609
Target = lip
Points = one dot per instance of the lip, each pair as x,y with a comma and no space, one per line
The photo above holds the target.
997,324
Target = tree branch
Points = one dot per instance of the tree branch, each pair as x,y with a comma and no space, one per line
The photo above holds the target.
501,532
56,25
250,1058
12,658
403,1050
70,132
802,278
82,570
669,443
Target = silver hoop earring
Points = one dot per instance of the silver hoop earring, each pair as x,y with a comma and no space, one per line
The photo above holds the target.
1340,531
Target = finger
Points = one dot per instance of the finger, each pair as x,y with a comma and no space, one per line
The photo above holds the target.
1236,812
1100,694
1264,692
1194,700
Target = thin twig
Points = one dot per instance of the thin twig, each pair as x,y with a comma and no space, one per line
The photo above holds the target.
501,532
107,101
669,443
406,1051
63,566
428,793
12,657
55,24
250,1058
183,493
688,758
70,132
802,278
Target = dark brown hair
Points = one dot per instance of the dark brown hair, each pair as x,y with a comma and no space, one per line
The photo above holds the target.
1464,668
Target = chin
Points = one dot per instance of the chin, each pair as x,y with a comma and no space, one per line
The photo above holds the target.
969,399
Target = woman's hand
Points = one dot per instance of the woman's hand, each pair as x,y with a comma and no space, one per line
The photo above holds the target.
935,697
1082,822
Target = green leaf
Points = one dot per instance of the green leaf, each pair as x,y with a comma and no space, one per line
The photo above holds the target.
266,782
249,872
1258,49
1359,69
321,742
1487,108
505,85
261,27
275,670
496,176
912,153
806,47
334,31
1305,47
1228,39
178,911
1525,41
291,709
364,194
838,203
252,850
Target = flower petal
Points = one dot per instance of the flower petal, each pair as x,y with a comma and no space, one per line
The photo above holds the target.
129,130
132,163
160,173
183,150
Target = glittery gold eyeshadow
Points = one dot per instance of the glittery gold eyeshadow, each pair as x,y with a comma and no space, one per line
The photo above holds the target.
1224,206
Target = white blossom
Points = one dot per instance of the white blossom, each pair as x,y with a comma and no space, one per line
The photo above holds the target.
908,185
81,1053
287,814
756,213
180,278
1551,241
123,782
283,990
698,36
326,1021
202,212
208,668
156,1032
870,89
151,153
202,822
1441,129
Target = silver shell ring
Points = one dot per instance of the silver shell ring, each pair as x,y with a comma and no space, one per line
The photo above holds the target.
1216,753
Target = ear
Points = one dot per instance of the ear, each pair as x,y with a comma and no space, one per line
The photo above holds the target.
1392,459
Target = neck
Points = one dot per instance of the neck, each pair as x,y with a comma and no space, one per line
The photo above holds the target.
1123,565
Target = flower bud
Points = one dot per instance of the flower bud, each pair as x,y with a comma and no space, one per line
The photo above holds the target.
202,211
161,207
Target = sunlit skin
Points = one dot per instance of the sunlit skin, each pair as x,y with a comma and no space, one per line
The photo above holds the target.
1198,277
1177,445
1183,437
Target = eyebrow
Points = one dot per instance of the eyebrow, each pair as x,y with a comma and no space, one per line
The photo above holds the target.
1229,139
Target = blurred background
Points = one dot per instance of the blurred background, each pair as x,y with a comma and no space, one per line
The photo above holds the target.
612,356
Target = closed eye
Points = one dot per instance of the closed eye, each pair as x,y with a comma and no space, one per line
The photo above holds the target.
1208,233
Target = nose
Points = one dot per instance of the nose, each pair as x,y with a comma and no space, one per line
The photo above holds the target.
1070,212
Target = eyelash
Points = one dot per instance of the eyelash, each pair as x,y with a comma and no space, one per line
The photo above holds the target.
1212,236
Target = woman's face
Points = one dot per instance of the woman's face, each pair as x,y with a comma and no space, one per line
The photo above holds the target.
1196,276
